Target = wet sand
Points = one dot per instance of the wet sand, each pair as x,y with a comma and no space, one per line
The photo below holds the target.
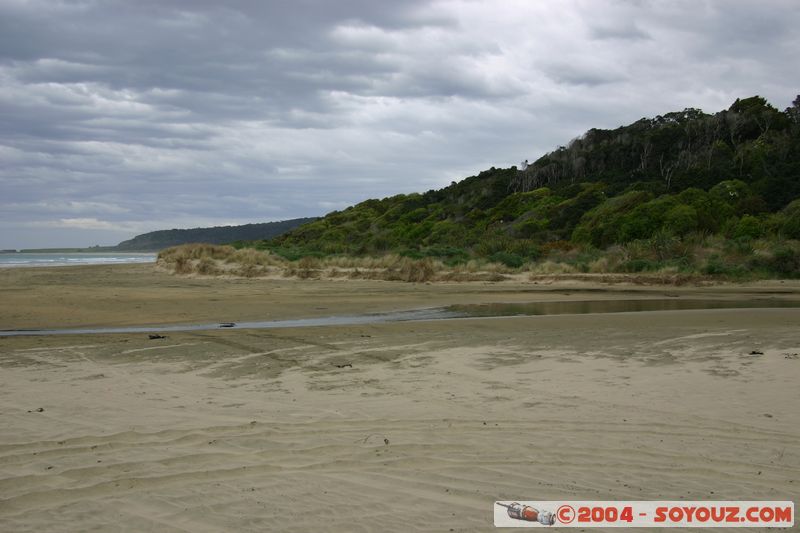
387,427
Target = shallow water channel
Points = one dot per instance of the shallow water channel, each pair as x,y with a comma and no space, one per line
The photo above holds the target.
438,313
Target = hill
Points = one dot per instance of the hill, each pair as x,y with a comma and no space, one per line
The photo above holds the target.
733,174
158,240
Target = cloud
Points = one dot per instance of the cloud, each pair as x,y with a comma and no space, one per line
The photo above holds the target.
122,117
88,223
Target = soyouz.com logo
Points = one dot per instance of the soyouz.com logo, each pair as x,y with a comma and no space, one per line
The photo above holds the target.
644,514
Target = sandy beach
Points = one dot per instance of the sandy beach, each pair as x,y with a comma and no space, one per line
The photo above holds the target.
386,427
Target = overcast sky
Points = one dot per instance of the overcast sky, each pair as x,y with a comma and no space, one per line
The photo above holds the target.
121,117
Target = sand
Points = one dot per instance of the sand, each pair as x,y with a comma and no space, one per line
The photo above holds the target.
391,427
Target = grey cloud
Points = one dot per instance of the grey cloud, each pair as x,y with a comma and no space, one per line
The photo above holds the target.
587,74
125,116
624,31
736,28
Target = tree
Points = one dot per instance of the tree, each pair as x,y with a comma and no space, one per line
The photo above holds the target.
794,110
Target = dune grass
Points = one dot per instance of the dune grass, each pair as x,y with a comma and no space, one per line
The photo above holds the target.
214,260
663,259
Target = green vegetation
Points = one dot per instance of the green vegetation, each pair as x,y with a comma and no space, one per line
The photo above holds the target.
686,192
214,260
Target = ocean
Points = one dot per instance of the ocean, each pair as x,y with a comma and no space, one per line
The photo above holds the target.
24,259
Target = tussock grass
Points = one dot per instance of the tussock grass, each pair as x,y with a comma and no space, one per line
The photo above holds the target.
661,259
207,267
196,251
214,260
550,268
251,256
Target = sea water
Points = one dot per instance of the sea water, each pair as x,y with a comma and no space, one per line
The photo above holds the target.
26,259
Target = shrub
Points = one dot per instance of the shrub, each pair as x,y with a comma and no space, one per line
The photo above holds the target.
681,219
639,265
790,220
508,259
251,256
742,246
450,254
556,246
717,266
730,191
492,243
783,260
749,227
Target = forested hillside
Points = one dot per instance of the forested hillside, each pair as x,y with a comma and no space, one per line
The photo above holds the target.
685,175
158,240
